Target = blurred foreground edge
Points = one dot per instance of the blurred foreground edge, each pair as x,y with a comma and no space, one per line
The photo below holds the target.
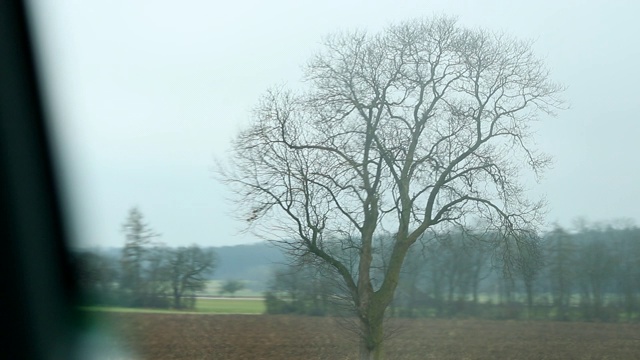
38,286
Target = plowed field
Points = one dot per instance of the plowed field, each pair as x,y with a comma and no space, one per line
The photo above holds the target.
181,336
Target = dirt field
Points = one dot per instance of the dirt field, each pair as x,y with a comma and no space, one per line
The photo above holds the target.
168,336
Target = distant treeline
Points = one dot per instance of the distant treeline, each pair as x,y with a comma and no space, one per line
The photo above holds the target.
157,277
591,274
104,274
143,274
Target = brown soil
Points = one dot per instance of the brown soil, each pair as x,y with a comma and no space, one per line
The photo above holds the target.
168,336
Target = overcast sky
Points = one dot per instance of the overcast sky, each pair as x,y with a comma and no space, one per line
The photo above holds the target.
144,95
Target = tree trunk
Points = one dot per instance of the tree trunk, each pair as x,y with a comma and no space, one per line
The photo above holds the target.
529,290
176,300
371,341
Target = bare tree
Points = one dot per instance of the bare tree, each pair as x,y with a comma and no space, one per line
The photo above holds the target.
424,124
526,260
97,275
299,290
561,272
139,238
231,287
187,269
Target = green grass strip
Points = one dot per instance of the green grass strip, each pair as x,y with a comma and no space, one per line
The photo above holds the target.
203,306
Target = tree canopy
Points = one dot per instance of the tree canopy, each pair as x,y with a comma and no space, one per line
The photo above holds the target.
424,124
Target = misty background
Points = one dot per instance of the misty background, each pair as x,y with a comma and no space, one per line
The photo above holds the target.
144,96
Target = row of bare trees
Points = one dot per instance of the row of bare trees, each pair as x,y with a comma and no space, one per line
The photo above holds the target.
587,274
591,273
594,273
146,274
300,290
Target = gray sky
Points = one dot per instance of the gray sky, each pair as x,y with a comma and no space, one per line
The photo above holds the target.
145,95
